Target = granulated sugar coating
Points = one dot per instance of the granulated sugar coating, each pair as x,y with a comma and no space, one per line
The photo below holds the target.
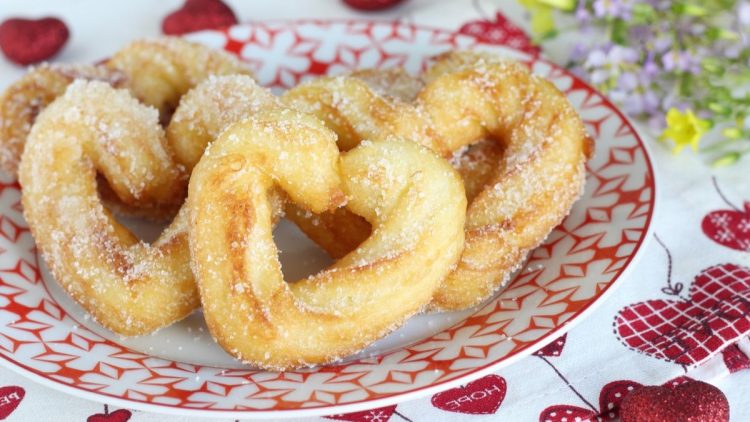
413,199
157,72
22,101
161,70
127,286
520,186
209,108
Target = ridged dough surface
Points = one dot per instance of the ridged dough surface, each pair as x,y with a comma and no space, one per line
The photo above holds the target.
463,99
128,286
413,199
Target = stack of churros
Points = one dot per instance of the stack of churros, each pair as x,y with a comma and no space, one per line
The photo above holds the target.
429,190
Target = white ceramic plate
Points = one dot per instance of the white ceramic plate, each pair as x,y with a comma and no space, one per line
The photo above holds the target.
180,370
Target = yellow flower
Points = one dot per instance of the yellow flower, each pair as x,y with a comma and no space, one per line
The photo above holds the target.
684,129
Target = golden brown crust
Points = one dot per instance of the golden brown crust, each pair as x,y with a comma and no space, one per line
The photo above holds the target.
22,102
156,71
413,199
519,190
128,286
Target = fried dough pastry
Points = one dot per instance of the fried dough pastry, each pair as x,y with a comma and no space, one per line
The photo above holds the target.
21,102
208,109
339,231
128,286
158,72
162,70
413,199
531,178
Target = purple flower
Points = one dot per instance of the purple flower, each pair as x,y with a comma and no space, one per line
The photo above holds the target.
619,54
641,34
743,13
681,61
627,81
609,54
650,68
612,8
657,122
662,44
639,103
579,52
605,62
582,13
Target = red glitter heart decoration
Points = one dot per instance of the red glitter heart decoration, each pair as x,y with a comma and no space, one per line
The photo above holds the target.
690,331
27,41
372,4
689,401
500,31
730,228
10,398
480,397
120,415
196,15
382,414
611,397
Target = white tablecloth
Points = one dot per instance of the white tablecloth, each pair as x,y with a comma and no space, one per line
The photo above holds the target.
591,357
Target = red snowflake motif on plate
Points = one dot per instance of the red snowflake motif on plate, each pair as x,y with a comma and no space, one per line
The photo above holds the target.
500,31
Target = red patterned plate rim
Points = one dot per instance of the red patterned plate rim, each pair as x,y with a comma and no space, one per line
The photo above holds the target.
408,394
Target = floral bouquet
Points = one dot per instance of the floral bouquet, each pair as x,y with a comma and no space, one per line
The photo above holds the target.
682,65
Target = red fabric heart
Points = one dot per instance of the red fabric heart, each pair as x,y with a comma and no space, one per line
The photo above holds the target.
372,4
196,15
480,397
730,228
382,414
27,41
565,413
690,401
10,398
690,331
553,349
119,415
500,31
735,359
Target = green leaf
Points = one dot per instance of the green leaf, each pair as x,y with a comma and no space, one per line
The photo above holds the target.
686,84
713,66
566,5
692,9
542,20
642,13
727,159
619,32
719,109
732,133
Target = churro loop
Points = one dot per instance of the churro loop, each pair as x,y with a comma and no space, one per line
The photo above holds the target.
467,98
127,285
22,101
413,199
205,111
158,72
